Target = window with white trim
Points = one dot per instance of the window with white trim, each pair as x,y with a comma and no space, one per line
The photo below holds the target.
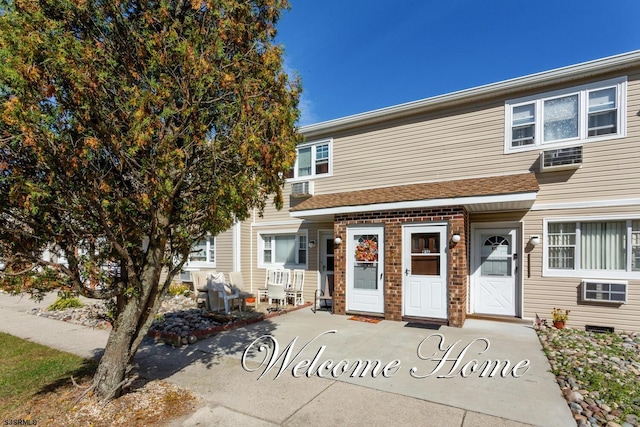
586,113
312,159
203,253
283,250
593,247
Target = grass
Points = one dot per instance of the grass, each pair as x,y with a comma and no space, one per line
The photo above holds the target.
29,369
36,389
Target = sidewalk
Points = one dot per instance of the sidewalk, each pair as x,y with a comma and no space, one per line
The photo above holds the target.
234,395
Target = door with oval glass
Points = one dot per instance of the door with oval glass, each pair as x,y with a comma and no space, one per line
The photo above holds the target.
425,271
496,267
365,269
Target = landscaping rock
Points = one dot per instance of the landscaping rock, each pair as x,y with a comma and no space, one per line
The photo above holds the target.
576,356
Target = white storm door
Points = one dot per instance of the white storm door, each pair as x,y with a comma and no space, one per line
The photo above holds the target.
496,272
424,259
365,269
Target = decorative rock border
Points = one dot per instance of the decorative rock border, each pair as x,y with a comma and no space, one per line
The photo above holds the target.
176,340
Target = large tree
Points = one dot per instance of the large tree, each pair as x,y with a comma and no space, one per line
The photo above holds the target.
129,130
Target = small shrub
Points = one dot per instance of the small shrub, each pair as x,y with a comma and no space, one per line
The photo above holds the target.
179,289
65,300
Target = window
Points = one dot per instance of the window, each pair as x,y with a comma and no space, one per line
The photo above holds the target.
635,246
287,249
585,113
313,159
203,253
610,247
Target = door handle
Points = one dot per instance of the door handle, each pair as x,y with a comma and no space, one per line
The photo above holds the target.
406,272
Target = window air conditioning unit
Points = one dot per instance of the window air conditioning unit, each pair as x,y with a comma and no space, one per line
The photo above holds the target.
302,189
604,291
561,159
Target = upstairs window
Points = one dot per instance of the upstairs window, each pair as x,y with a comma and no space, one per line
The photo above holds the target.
586,113
312,159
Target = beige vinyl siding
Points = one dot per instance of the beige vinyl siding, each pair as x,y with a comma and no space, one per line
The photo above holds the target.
271,214
541,294
224,251
246,255
427,148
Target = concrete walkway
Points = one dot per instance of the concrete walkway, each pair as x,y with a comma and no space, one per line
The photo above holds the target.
241,385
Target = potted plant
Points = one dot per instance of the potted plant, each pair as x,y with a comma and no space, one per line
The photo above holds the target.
560,317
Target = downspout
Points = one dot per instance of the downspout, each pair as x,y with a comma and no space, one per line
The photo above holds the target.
253,219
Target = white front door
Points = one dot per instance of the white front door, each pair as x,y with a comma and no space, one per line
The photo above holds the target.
424,260
365,269
495,271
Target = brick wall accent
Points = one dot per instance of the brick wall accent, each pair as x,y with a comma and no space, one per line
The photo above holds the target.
457,219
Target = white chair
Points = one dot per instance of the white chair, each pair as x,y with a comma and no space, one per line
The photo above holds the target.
277,293
273,277
262,292
296,287
281,278
218,289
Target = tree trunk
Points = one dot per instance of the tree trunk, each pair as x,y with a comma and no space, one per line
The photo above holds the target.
114,364
131,325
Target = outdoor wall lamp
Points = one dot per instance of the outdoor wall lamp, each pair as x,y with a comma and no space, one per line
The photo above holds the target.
455,238
312,244
338,241
534,240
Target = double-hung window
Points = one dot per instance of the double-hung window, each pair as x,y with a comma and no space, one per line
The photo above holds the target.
203,253
586,113
283,250
608,247
313,159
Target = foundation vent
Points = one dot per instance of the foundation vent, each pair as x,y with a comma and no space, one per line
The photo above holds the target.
599,329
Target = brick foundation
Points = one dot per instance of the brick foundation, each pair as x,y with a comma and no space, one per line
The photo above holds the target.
457,219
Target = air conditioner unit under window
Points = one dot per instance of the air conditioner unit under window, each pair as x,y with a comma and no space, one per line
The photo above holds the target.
302,189
604,291
561,158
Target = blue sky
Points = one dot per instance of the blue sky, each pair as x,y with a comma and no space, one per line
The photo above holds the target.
360,55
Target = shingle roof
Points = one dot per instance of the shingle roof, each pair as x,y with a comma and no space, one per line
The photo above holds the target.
492,186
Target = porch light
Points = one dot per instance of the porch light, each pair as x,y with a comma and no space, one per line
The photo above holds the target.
338,241
534,240
455,238
312,244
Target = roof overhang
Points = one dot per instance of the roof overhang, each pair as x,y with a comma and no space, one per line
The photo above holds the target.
509,202
520,196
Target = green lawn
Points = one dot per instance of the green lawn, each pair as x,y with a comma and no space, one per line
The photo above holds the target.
27,369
